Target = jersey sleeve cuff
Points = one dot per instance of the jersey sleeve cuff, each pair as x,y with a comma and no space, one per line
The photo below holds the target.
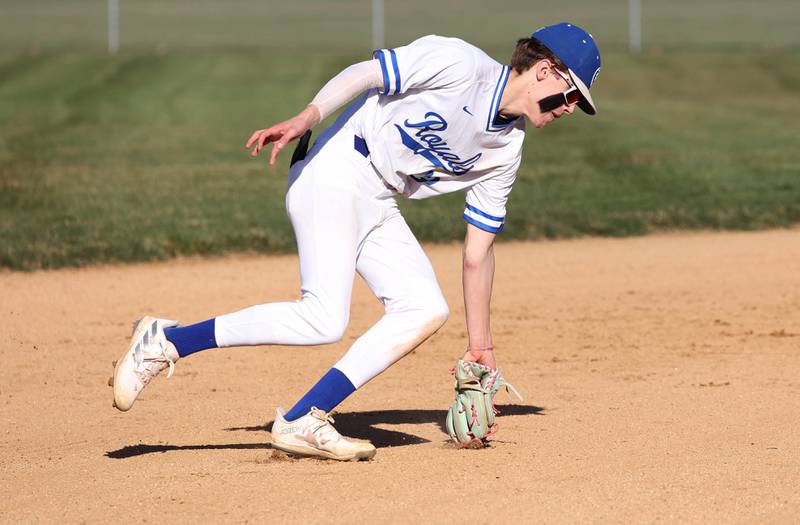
483,220
390,70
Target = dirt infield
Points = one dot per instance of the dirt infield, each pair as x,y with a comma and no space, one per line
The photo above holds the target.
661,378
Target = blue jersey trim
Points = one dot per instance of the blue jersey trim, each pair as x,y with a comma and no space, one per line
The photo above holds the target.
396,72
378,53
484,214
482,226
496,98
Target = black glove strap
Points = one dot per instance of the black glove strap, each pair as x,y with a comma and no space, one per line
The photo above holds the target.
301,149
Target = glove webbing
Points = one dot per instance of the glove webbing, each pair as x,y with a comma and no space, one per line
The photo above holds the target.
469,383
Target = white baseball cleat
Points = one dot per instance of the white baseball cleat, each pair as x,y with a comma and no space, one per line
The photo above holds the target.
149,353
313,435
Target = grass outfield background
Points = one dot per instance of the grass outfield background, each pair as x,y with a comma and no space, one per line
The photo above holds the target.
139,156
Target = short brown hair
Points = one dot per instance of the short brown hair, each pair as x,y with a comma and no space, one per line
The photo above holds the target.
528,52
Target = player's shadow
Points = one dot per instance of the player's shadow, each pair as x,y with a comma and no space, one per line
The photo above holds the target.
142,449
364,425
359,425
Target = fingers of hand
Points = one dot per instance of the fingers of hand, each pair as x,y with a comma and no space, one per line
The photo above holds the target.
289,134
277,149
280,134
253,138
261,138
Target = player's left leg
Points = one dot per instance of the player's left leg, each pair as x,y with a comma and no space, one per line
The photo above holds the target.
401,276
397,270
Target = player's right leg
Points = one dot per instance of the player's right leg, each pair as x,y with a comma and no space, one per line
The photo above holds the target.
330,220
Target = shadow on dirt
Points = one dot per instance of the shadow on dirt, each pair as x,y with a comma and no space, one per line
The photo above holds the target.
362,425
359,425
140,450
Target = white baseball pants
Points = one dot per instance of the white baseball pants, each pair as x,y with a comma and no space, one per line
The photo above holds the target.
346,220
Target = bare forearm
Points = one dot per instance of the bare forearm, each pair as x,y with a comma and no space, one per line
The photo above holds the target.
477,280
478,276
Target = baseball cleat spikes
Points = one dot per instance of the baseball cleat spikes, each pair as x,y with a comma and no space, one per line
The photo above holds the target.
111,381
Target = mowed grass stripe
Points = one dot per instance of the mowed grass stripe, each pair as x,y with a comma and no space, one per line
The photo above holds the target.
141,156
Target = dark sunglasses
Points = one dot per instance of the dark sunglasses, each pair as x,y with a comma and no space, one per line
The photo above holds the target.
572,95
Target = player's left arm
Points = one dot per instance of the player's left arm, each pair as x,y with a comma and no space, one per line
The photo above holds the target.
477,278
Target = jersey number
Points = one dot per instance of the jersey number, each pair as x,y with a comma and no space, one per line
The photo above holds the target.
427,178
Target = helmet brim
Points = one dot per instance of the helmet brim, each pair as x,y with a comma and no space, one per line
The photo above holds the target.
585,103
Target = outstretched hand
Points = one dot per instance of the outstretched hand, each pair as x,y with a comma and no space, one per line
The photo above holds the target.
281,134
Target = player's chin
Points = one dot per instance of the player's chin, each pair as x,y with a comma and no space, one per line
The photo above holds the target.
543,120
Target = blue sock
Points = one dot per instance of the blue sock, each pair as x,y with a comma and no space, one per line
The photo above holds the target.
329,391
192,338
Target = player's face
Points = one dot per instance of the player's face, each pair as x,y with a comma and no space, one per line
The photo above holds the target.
551,81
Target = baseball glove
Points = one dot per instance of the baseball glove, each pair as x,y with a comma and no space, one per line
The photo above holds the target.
470,419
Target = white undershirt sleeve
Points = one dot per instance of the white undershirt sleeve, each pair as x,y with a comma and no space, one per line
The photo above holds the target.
346,85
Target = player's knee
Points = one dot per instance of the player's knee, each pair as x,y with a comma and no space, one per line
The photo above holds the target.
328,334
329,328
328,323
441,314
434,314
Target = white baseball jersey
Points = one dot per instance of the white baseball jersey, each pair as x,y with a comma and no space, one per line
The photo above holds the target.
432,129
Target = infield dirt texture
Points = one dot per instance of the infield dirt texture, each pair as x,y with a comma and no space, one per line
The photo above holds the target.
659,374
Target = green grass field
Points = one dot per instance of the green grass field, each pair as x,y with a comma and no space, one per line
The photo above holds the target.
139,156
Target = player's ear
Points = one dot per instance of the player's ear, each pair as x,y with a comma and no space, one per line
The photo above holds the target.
542,69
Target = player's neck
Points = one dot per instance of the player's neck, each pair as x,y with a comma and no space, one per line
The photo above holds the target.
511,102
520,95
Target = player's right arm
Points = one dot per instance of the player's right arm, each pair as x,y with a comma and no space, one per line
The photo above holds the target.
485,213
336,93
477,279
430,62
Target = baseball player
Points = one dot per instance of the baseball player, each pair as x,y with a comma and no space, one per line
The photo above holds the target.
435,116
